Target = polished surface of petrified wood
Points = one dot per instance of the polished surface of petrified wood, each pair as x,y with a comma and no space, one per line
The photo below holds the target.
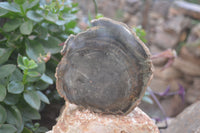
106,68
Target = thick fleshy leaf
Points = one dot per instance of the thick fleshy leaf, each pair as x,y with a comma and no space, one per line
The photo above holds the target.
52,45
7,128
20,62
43,97
34,16
6,70
20,2
41,85
25,61
34,49
42,32
3,11
32,64
13,7
32,99
42,130
15,87
28,5
33,74
40,69
29,113
71,24
26,28
46,79
2,92
26,130
11,25
11,99
14,117
5,54
16,75
61,22
51,17
3,114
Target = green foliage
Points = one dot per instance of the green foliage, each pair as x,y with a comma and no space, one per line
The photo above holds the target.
28,39
193,1
140,33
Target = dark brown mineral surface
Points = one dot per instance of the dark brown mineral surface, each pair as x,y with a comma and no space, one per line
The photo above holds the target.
106,68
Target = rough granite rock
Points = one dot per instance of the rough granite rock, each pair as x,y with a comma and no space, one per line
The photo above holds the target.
77,120
186,122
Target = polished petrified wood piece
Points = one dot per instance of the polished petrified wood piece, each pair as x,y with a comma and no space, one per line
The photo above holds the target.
105,69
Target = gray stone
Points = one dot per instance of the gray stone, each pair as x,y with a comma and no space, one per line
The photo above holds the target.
186,122
185,8
167,35
187,67
132,6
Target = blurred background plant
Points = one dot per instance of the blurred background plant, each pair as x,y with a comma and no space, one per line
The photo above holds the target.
31,35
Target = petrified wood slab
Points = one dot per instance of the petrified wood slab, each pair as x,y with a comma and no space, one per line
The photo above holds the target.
106,68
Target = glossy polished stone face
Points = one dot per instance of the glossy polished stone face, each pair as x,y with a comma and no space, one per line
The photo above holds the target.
105,69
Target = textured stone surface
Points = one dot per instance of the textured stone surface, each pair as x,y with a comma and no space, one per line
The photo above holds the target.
74,120
173,105
170,73
195,34
186,122
187,67
106,68
193,93
169,33
186,8
162,35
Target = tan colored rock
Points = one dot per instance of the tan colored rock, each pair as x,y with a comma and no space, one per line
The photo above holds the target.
196,83
158,85
173,105
133,6
171,31
187,67
135,20
195,34
174,84
74,120
169,73
177,24
185,8
189,54
157,61
161,7
186,122
164,39
193,93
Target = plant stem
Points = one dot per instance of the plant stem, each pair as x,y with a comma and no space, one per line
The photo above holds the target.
22,10
25,76
96,8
